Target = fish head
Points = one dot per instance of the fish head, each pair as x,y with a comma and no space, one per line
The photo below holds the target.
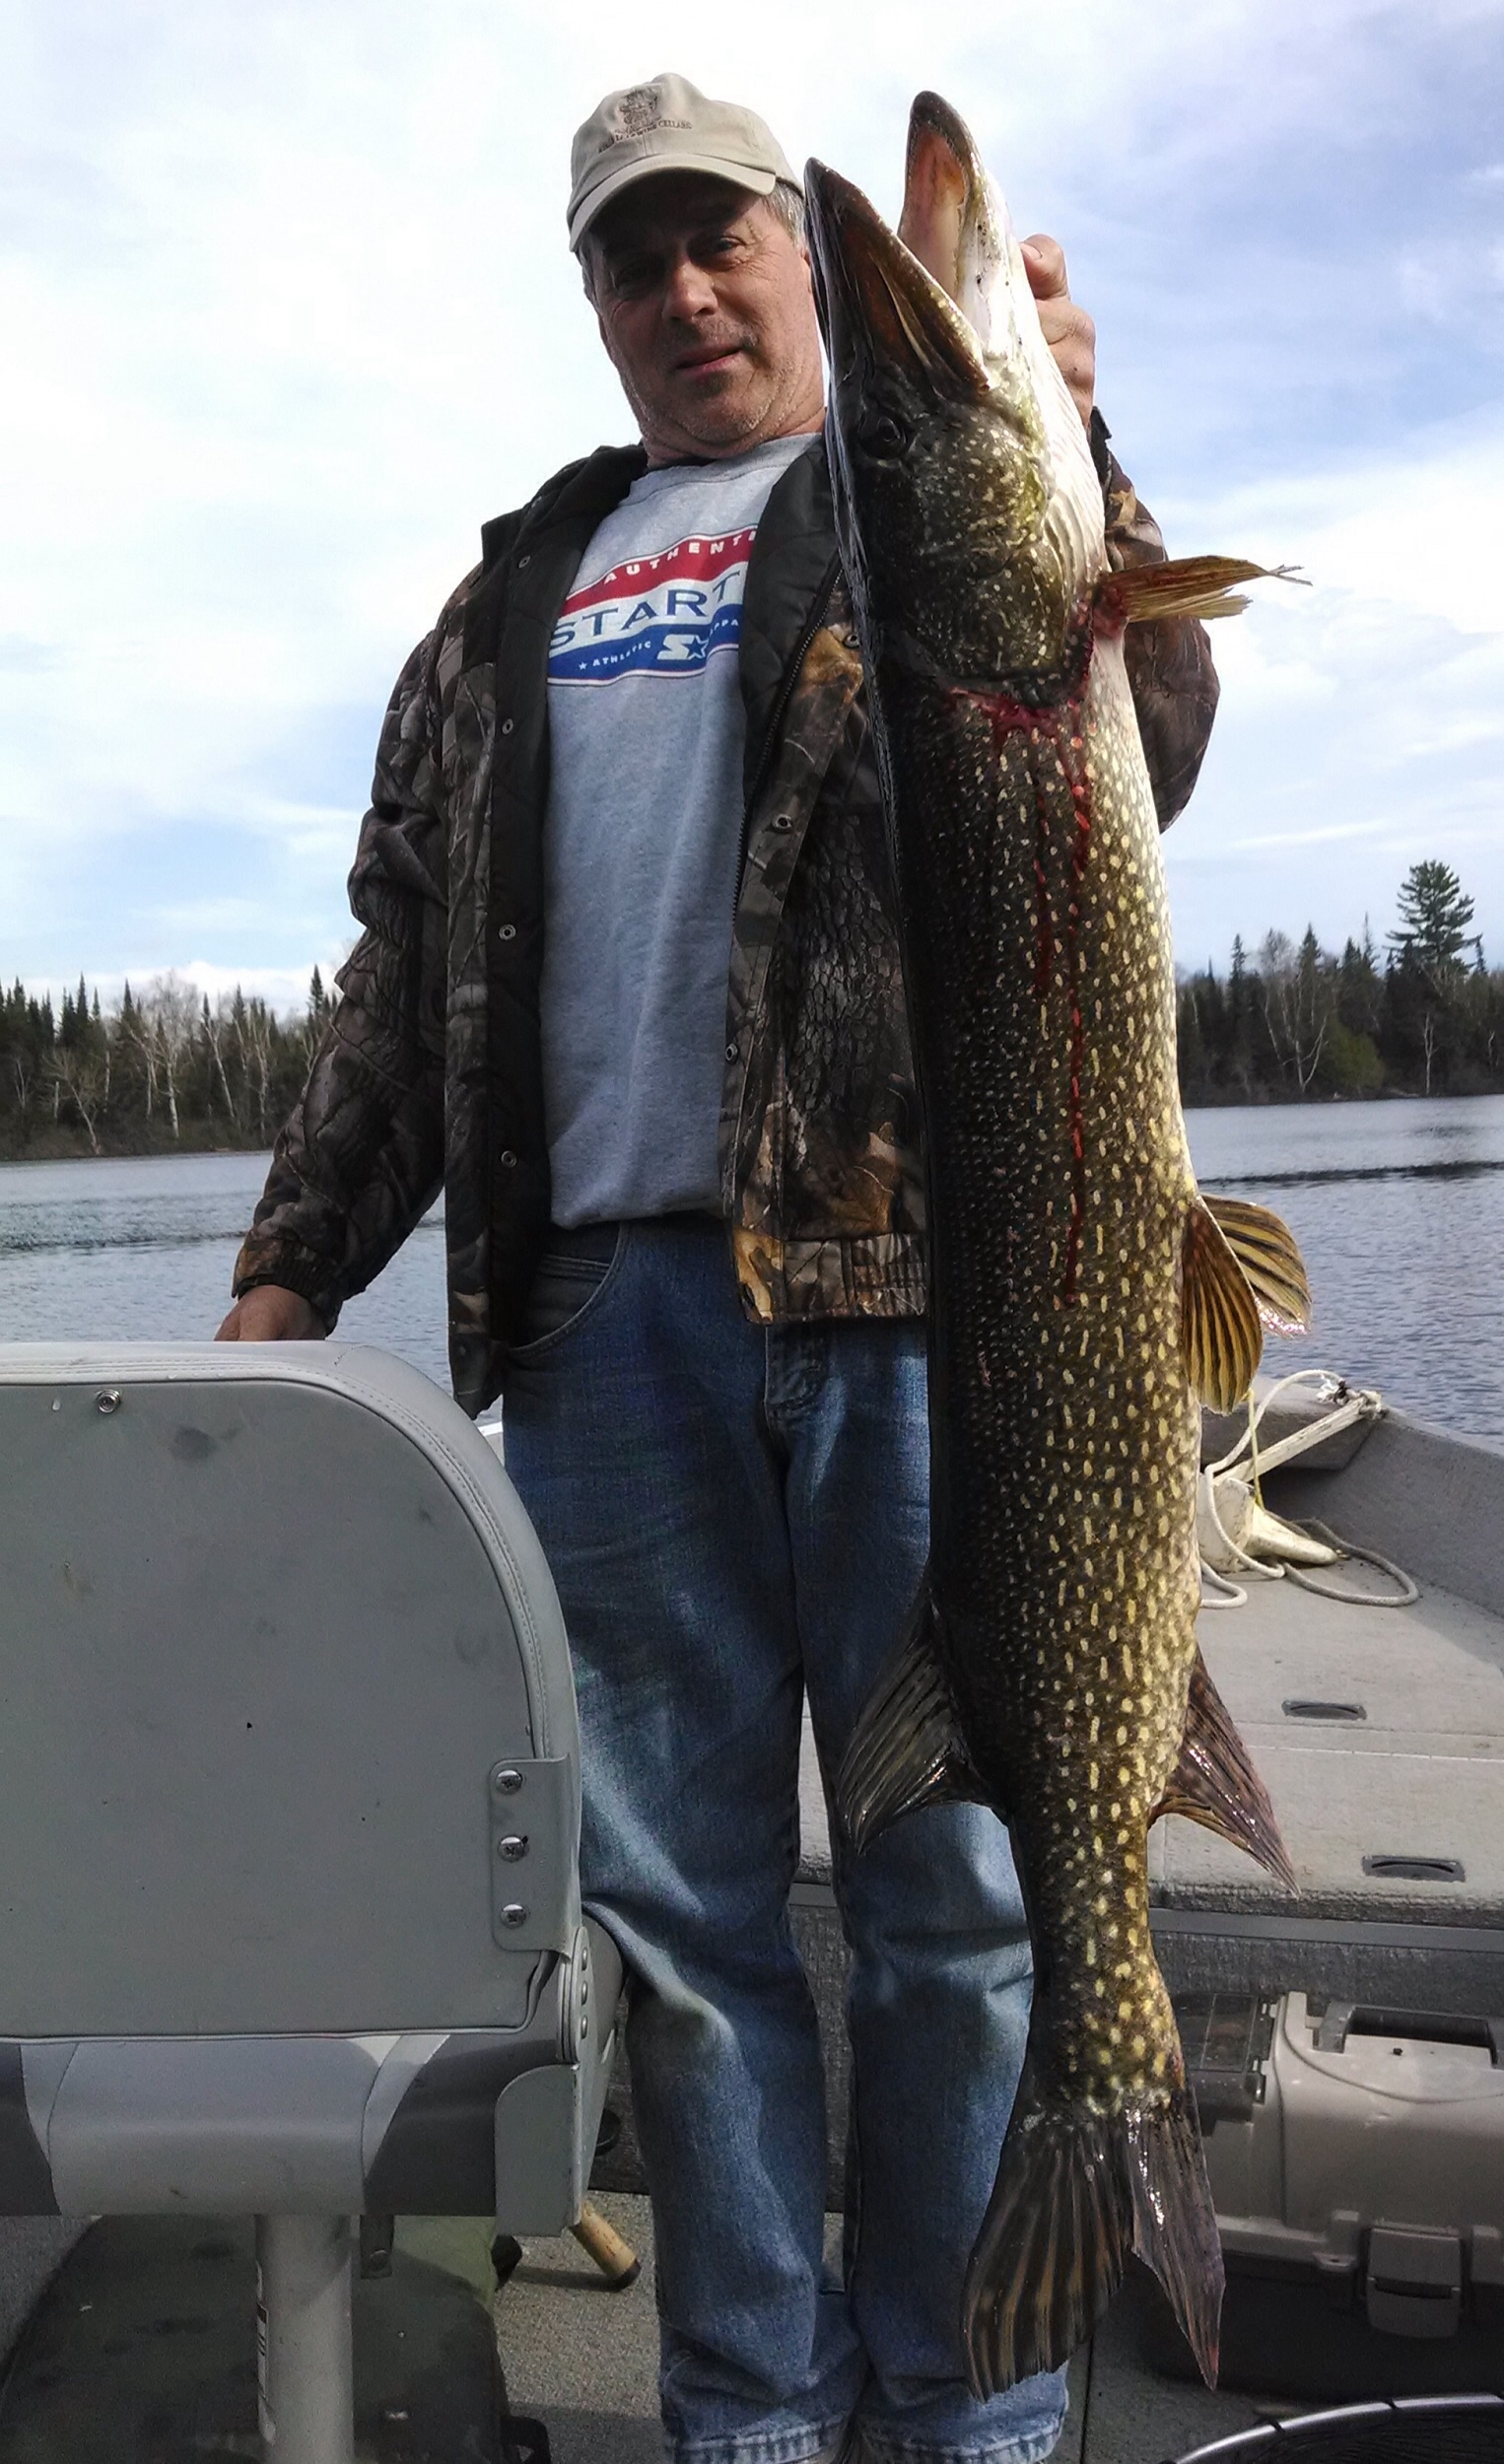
967,505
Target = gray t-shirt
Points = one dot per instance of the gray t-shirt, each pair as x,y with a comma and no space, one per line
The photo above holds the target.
643,837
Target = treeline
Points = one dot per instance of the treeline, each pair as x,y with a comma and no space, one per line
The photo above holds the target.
1293,1024
165,1067
162,1068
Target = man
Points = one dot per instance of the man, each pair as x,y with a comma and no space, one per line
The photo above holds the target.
629,991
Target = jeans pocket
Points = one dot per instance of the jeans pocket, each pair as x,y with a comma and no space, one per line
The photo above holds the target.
573,1272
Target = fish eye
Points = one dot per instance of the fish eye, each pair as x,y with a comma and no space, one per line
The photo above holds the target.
881,434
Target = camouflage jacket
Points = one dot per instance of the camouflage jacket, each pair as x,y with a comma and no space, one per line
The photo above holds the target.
430,1073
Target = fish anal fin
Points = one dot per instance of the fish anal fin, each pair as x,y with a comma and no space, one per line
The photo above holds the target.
1265,1248
1075,2191
1221,1337
1215,1783
906,1749
1185,585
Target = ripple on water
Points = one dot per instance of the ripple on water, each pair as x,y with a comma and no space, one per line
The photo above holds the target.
1399,1208
141,1248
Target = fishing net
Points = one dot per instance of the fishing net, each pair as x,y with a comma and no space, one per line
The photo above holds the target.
1418,2430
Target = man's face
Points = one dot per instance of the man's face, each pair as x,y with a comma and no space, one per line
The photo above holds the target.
706,308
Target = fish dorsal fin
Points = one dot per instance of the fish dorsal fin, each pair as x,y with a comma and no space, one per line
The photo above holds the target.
1221,1338
906,1749
1215,1784
1185,585
1265,1248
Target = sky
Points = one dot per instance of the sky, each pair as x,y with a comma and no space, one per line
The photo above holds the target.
289,311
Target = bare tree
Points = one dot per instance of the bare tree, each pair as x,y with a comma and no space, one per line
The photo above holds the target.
170,1011
24,1079
79,1072
253,1023
1297,998
219,1023
137,1030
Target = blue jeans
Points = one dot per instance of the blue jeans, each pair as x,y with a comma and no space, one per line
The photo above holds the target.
736,1516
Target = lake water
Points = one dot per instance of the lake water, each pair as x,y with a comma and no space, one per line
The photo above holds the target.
1399,1208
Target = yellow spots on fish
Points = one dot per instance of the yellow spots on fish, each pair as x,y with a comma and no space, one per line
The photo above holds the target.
1160,2063
1125,2007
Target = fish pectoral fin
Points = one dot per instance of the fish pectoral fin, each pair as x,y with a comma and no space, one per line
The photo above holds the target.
1075,2191
1215,1784
1265,1248
1221,1337
1185,585
906,1749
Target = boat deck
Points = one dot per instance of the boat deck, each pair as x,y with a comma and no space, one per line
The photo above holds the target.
1379,1733
144,2345
145,2348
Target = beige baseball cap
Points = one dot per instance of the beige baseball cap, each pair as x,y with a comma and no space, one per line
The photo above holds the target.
668,126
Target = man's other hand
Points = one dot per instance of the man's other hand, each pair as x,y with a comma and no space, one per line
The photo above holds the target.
1068,331
270,1314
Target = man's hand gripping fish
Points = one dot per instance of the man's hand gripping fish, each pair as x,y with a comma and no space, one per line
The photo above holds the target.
1085,1296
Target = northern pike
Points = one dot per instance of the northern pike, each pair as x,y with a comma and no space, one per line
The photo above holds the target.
1084,1295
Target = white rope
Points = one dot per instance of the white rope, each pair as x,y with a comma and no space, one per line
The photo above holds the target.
1405,1596
1233,1595
1350,1406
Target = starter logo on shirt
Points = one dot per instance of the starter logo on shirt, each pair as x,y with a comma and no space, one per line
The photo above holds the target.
660,615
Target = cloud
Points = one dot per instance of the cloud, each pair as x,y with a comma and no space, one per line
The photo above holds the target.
289,310
1361,728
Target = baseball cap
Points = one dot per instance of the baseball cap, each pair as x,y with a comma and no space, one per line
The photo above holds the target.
668,126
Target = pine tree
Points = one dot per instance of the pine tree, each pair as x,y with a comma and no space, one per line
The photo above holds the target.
1432,934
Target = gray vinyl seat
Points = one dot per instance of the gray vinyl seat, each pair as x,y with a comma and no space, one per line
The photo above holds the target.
289,1918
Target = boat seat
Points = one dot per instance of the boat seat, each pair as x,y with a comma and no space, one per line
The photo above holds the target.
289,1918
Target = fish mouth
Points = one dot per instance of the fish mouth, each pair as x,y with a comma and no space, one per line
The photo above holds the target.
946,200
879,305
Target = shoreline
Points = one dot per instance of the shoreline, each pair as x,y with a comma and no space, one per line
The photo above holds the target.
65,1147
61,1146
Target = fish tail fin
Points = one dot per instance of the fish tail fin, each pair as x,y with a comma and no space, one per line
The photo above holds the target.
1182,586
906,1749
1075,2192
